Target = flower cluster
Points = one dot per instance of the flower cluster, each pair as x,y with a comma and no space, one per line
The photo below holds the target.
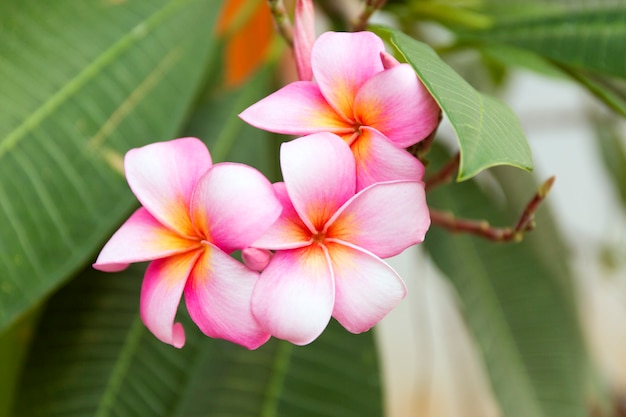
378,106
313,246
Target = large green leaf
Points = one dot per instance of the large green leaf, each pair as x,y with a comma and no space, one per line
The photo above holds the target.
584,34
93,357
610,90
517,299
488,132
80,84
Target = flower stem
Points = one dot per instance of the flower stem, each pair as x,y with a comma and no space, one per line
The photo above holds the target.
371,6
483,229
445,174
281,19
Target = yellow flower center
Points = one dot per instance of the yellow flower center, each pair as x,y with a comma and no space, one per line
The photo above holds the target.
354,136
319,237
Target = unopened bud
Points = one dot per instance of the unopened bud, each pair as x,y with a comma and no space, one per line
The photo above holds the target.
388,60
256,259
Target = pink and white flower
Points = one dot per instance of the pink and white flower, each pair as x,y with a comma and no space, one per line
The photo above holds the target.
193,215
329,241
379,107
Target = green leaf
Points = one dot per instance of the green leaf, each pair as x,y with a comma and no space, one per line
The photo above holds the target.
522,58
488,132
83,82
610,90
517,299
587,35
93,357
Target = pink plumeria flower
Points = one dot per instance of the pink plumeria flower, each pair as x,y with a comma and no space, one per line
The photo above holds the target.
194,214
378,108
329,242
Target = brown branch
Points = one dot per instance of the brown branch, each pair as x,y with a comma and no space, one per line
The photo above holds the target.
445,174
371,6
281,19
483,229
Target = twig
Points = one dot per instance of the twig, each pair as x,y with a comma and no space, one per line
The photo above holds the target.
281,19
445,174
371,6
482,228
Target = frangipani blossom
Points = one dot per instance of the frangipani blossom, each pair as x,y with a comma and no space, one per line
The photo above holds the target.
329,242
377,108
194,214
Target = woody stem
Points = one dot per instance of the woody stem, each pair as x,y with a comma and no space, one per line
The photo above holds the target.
483,229
371,6
445,174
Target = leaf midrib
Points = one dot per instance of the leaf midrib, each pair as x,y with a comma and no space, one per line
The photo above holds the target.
48,107
122,365
504,329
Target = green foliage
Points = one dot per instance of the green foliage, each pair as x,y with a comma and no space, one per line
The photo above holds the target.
517,301
77,92
583,39
83,82
93,357
610,90
586,35
488,132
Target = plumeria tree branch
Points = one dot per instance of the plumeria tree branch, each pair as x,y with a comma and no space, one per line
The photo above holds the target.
371,6
483,229
277,7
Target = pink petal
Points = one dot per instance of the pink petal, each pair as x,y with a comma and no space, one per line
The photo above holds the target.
304,37
320,175
378,160
141,238
342,63
288,232
385,218
161,291
163,175
388,60
218,295
256,259
395,103
366,288
294,296
233,205
296,109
